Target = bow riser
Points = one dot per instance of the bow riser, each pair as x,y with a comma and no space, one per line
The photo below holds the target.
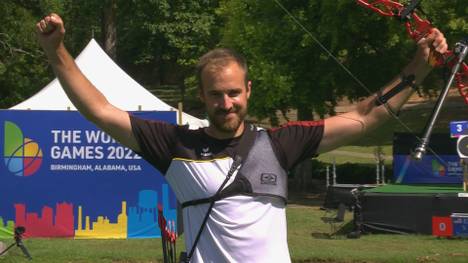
419,28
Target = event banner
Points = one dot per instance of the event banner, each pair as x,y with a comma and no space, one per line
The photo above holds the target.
61,176
440,165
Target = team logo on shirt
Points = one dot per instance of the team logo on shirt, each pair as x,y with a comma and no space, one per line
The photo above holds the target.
268,178
206,153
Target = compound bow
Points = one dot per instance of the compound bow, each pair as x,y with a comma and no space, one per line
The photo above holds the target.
418,28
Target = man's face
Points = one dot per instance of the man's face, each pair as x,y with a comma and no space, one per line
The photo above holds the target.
225,95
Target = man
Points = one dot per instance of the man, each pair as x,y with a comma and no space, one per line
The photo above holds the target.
247,226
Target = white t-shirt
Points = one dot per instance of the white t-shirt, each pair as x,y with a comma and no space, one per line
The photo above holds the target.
240,228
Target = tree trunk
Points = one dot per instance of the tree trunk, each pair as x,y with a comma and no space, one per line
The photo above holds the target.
109,28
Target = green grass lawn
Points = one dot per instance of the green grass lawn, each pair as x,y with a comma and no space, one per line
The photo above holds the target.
307,237
308,244
355,154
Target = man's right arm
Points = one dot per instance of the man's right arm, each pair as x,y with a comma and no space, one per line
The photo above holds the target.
89,101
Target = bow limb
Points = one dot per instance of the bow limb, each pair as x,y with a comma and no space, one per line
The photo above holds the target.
416,26
383,7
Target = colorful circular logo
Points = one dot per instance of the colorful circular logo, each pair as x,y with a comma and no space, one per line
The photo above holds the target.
23,156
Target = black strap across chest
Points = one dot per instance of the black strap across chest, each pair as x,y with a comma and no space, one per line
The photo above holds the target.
245,144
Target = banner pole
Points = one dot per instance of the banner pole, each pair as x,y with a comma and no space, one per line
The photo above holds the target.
465,174
181,108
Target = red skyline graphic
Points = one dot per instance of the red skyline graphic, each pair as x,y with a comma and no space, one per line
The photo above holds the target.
46,225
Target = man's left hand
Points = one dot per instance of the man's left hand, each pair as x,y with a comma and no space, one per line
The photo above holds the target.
431,45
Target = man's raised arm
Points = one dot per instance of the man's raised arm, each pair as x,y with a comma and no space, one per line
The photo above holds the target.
87,99
344,128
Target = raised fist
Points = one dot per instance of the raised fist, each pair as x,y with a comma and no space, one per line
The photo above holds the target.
50,32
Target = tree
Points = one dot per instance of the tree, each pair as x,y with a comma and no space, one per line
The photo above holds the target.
160,41
109,28
23,67
290,70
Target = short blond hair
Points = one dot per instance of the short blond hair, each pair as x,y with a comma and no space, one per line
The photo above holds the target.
218,58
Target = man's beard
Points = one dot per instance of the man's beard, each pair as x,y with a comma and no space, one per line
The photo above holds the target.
217,119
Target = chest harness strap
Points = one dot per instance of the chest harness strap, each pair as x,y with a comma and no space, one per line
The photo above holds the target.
246,142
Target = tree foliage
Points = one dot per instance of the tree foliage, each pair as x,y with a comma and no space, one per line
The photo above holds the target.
289,69
22,64
159,41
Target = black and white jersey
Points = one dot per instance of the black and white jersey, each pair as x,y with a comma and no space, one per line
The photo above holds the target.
240,228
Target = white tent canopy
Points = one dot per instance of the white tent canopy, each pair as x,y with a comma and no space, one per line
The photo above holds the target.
119,88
